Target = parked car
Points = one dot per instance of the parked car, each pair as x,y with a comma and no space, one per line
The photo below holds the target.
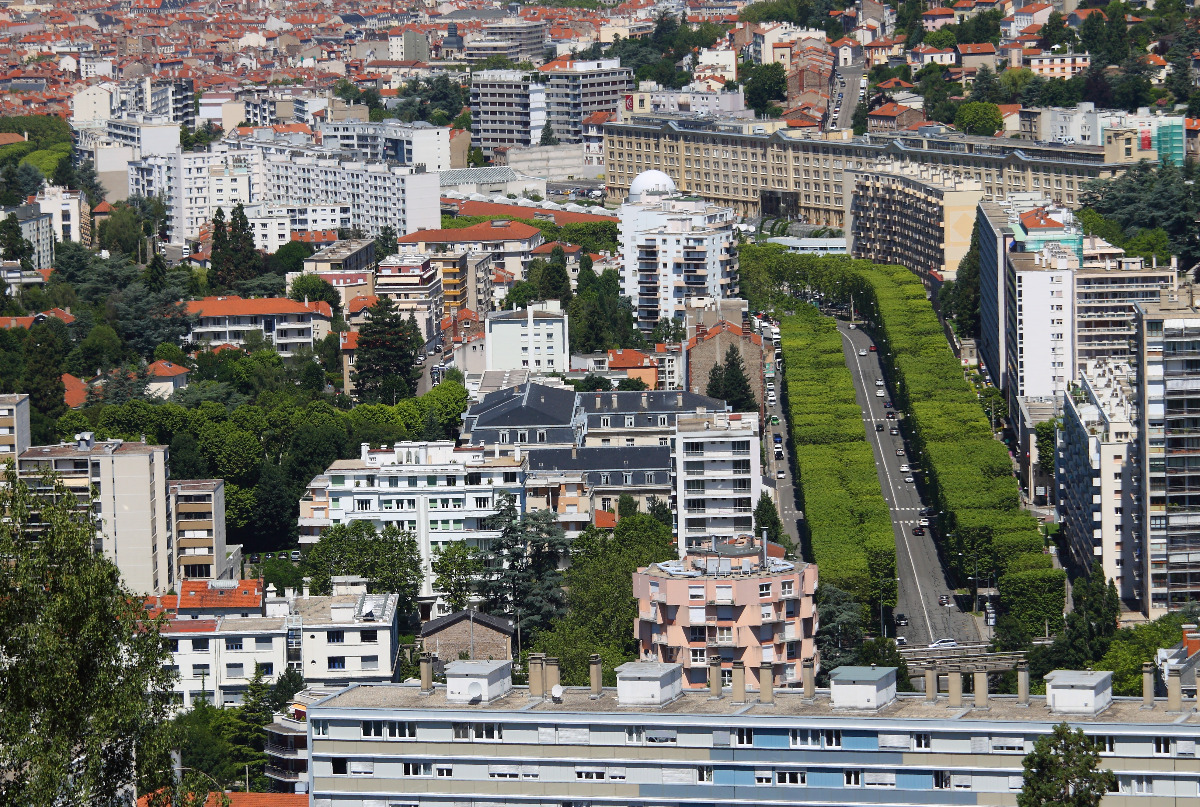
254,558
899,618
909,479
899,452
901,641
905,468
872,349
295,554
942,643
879,382
853,327
893,431
781,474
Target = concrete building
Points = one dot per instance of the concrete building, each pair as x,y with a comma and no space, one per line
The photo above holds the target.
14,427
718,476
673,248
351,255
510,243
1107,286
576,89
286,324
1166,480
694,99
725,603
201,549
648,741
508,108
1040,296
593,479
70,214
37,227
1096,474
439,493
535,337
415,285
124,486
192,186
708,348
414,144
914,216
1058,65
147,135
466,281
761,167
519,39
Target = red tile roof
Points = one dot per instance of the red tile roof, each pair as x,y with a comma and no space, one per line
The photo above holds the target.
76,392
1037,219
605,520
495,230
233,306
628,360
165,369
195,594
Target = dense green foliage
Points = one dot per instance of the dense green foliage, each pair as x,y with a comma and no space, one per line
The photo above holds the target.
390,560
600,603
385,367
1063,770
727,381
599,318
847,529
968,474
657,57
84,690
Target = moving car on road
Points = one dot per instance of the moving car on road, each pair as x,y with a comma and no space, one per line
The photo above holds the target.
781,474
944,599
918,530
908,479
899,618
940,643
862,352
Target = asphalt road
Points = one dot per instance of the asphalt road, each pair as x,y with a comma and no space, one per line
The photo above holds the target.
785,492
922,580
848,87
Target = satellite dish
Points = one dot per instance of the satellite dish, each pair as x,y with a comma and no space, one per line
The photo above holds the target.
474,690
556,692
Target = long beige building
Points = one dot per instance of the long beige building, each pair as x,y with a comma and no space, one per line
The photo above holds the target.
762,167
913,215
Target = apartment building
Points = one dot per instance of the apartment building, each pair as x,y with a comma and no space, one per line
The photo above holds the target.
378,193
674,248
525,39
466,281
1040,292
146,134
858,742
729,602
439,493
576,89
415,144
287,325
201,550
1096,472
37,227
415,285
14,427
508,108
535,337
287,742
766,168
1167,483
711,344
594,479
510,243
718,476
1058,65
352,255
192,185
124,486
220,629
70,214
1107,286
649,418
694,99
913,215
171,99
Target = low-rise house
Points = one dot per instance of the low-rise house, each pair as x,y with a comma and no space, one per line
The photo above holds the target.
285,324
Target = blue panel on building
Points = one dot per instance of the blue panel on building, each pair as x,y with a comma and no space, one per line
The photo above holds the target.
914,781
826,779
860,741
771,738
733,776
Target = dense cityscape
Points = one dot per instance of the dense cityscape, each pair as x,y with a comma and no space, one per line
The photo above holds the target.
599,404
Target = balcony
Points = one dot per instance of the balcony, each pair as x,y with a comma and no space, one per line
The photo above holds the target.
721,641
283,774
659,638
722,599
281,750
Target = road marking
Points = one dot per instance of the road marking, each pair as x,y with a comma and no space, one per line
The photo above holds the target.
888,474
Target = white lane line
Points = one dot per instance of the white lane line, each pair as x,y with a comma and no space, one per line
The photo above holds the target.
888,474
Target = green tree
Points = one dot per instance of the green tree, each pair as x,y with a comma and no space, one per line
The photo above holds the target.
1046,438
626,506
313,288
979,118
660,511
883,652
286,687
45,350
220,258
766,517
548,138
841,627
632,385
861,111
390,560
1063,770
155,276
283,574
13,244
385,368
942,39
290,257
735,384
593,382
385,243
716,382
84,664
30,179
764,85
458,568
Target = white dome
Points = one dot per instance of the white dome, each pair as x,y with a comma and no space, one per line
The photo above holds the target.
650,182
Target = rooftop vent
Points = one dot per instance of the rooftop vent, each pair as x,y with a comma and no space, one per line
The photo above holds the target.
1075,692
477,681
648,683
862,687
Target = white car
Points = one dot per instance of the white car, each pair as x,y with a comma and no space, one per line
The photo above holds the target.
879,382
853,326
781,474
879,393
924,522
906,469
862,352
943,643
908,479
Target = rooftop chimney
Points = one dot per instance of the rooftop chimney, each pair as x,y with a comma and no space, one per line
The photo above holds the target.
739,682
1022,683
981,688
931,684
537,679
426,672
550,665
955,689
1147,685
1174,689
596,675
766,683
714,677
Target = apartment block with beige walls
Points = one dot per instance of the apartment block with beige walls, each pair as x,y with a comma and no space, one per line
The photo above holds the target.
730,602
199,507
125,485
14,427
913,215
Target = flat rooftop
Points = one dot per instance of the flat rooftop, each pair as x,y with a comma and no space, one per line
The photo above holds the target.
788,703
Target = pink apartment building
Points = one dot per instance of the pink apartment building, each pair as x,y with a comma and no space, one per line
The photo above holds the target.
726,604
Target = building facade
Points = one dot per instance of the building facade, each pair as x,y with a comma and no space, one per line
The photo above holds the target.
288,325
577,89
718,476
535,337
202,553
14,426
508,108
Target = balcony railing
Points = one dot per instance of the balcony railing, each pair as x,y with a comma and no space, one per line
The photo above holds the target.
283,774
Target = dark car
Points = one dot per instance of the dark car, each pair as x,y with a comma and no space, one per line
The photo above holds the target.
927,511
918,530
871,348
944,599
778,438
891,415
900,619
887,404
878,427
254,558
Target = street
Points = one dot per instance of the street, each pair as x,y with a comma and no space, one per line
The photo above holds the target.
845,81
922,580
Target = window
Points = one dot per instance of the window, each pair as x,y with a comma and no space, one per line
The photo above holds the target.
634,735
268,669
443,771
832,738
370,663
698,655
337,662
605,422
369,636
418,769
764,589
263,642
233,644
627,478
785,588
853,778
522,437
789,777
941,780
478,731
373,728
629,421
803,738
340,766
921,742
1162,746
200,671
235,670
199,645
335,637
743,737
589,773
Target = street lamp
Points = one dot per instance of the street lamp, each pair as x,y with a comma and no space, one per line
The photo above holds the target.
974,580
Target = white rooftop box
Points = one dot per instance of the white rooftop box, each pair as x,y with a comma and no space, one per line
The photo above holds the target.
477,681
1072,692
648,683
862,687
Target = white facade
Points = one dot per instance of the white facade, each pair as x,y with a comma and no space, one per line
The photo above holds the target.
215,658
1096,476
1041,321
580,89
718,476
378,194
534,339
192,185
272,226
508,109
66,209
673,248
148,135
412,144
92,105
439,493
287,324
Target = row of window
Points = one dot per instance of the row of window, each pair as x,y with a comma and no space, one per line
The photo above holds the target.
235,670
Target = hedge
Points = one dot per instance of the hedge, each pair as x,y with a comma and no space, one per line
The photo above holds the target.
848,528
968,473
